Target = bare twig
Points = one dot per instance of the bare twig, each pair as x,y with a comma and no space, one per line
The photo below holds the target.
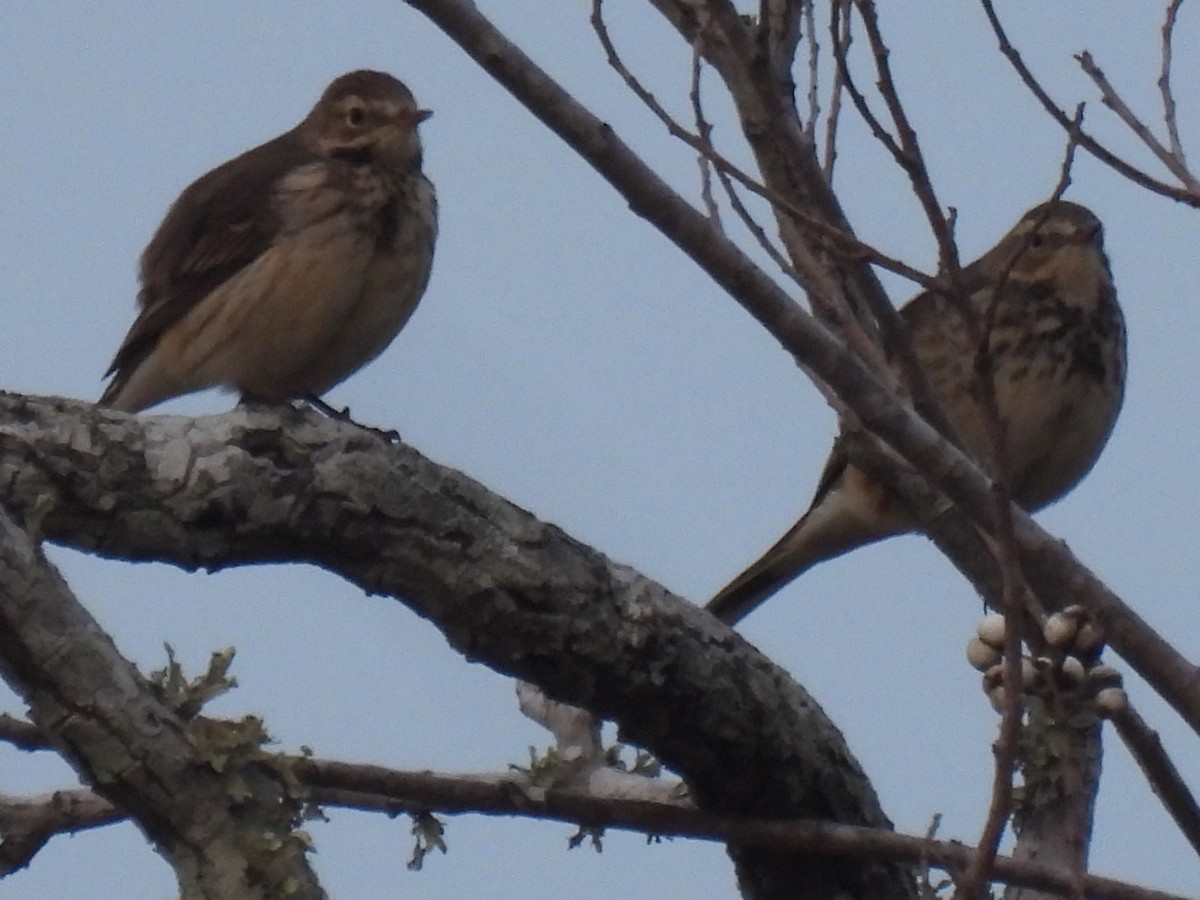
814,58
700,141
1110,98
703,132
22,734
826,299
27,823
895,336
1086,141
708,155
1016,595
392,791
488,794
840,27
778,35
1164,82
756,230
1160,772
984,363
973,882
908,155
837,241
827,302
840,31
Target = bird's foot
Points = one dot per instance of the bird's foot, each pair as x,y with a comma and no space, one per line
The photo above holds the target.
391,435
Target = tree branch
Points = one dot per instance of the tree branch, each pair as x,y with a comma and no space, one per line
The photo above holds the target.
1164,86
26,824
21,734
908,154
1162,775
1086,141
277,485
118,734
1051,568
391,791
499,795
1175,164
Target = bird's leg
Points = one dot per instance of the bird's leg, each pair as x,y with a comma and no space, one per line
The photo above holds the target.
245,399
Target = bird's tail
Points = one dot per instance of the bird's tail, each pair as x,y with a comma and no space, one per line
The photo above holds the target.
143,384
787,559
111,392
850,510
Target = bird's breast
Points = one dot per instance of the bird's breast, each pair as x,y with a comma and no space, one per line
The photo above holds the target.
325,299
400,229
1059,367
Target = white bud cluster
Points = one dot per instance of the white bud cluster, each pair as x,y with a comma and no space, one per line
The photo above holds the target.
1075,643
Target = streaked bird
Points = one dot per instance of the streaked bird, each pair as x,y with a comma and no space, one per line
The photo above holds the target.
1057,347
285,270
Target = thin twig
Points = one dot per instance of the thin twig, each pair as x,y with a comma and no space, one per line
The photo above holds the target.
1016,594
837,241
814,58
751,225
1053,565
1164,82
840,27
973,882
391,791
807,271
835,312
1085,140
701,143
28,823
828,301
909,155
704,132
985,366
1161,773
778,36
22,733
984,363
895,336
1110,98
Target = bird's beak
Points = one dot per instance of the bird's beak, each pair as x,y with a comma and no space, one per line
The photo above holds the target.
414,117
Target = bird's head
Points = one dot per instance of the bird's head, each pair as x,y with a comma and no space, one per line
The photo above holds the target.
367,116
1050,241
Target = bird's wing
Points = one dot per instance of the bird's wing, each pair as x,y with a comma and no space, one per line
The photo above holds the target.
924,318
220,224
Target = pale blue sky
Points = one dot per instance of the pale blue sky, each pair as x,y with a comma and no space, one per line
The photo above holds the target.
570,358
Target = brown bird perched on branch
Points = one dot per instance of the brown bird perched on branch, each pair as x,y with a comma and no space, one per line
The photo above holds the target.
1056,340
288,268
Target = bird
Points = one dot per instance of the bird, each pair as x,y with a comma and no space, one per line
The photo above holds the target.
283,271
1056,341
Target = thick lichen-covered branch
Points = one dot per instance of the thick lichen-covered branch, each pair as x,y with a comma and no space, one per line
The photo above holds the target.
259,485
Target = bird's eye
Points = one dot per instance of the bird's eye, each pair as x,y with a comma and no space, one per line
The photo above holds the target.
1036,240
355,115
